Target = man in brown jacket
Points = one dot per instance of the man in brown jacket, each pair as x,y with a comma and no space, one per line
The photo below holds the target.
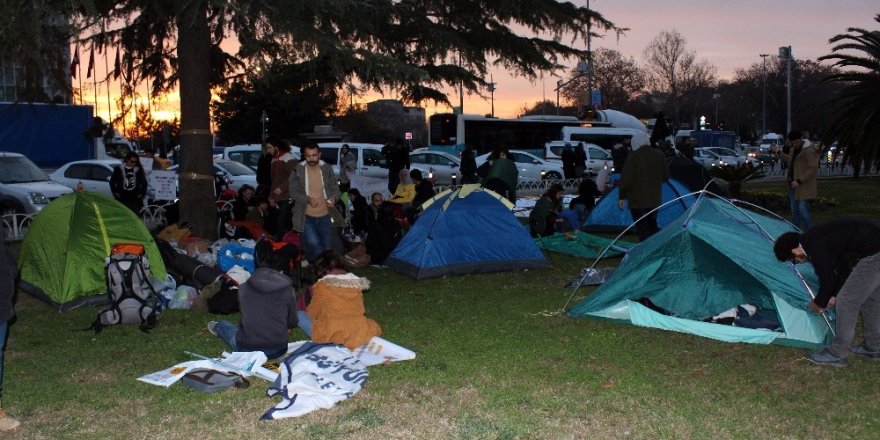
640,187
802,159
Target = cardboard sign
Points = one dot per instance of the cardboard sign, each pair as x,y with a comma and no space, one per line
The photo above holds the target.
164,184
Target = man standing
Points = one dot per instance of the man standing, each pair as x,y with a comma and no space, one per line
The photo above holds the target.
314,191
640,186
803,164
347,167
846,256
398,159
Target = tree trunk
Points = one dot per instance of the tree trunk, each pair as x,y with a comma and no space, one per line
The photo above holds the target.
196,159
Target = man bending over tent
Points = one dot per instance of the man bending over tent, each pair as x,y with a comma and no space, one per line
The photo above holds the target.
846,256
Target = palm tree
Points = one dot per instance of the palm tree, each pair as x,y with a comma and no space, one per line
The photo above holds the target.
855,123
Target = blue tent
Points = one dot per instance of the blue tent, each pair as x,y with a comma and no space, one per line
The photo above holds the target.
465,230
606,216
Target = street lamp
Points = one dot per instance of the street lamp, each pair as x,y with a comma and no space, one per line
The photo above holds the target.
491,87
764,95
558,88
264,119
715,97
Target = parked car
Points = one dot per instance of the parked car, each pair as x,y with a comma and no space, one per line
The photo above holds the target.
731,157
25,188
598,158
234,173
530,167
436,165
93,174
370,162
249,154
707,158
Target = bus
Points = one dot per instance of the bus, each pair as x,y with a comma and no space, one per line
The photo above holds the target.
450,132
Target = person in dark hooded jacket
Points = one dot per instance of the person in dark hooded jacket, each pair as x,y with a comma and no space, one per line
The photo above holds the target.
268,307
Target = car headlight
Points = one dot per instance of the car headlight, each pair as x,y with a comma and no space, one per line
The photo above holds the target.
38,198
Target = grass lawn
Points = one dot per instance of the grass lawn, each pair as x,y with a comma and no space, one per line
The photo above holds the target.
496,360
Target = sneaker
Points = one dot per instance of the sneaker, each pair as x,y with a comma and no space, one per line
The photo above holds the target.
825,358
7,423
865,352
212,327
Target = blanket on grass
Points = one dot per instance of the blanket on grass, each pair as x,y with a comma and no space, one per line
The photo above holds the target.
315,376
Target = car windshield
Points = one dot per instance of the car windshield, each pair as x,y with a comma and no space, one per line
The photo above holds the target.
236,168
17,169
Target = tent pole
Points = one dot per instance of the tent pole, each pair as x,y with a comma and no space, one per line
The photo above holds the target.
813,296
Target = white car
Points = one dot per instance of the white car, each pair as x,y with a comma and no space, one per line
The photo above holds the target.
93,174
25,188
707,158
236,174
437,165
529,166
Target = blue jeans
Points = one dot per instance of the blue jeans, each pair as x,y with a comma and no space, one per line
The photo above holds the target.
4,327
316,235
800,211
227,331
304,322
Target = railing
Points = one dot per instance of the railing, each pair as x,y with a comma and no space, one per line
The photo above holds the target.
15,225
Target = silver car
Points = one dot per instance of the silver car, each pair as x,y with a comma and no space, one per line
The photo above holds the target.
529,166
436,165
25,188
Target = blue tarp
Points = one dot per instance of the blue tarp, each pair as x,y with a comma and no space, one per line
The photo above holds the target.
49,135
465,230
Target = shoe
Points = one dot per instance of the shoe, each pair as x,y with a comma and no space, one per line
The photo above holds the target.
865,352
212,327
7,423
825,358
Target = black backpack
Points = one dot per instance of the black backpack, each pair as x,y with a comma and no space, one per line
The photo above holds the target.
133,300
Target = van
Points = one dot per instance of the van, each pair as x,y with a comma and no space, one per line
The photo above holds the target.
370,162
249,154
604,137
597,158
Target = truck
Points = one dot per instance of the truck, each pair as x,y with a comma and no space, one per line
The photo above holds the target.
51,135
707,138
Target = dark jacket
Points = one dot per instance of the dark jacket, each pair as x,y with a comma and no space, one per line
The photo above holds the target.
641,183
835,247
504,171
360,210
268,310
264,170
468,167
424,191
8,274
128,184
542,219
688,172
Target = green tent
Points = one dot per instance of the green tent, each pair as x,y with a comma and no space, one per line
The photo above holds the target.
712,258
63,255
582,245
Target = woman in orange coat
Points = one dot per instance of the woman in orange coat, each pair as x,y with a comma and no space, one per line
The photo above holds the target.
337,306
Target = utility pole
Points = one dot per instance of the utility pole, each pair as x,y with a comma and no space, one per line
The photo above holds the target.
491,87
785,53
589,59
264,118
764,95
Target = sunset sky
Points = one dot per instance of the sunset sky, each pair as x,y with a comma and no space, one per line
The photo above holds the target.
729,35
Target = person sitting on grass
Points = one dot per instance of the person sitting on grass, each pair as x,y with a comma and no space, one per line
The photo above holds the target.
406,190
545,215
268,307
336,313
